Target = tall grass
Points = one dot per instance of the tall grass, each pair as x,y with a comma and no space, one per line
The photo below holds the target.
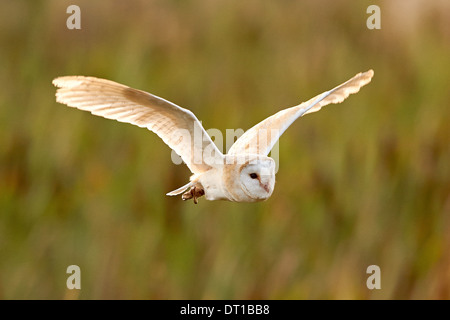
361,183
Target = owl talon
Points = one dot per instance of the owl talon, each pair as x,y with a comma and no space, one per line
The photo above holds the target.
187,195
194,193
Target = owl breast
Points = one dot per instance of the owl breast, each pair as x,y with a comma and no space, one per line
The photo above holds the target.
212,183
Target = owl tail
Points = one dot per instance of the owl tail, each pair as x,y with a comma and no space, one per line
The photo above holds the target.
180,190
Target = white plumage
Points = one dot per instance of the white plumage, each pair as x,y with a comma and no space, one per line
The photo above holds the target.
245,174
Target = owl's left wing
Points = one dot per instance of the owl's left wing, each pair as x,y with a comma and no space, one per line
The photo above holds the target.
179,128
261,138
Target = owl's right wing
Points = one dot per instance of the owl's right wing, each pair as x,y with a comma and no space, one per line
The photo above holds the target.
261,138
177,127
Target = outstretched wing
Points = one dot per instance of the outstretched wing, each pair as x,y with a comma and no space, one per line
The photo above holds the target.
261,138
177,127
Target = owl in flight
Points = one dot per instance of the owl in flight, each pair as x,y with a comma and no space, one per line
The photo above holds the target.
244,174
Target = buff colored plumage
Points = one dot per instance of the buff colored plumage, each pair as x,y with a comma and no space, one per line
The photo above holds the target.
245,174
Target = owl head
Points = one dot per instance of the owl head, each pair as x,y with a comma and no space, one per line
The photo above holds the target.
257,178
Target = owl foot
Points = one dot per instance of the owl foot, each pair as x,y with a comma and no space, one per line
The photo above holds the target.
194,192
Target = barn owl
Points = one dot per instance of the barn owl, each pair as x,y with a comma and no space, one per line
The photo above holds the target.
244,174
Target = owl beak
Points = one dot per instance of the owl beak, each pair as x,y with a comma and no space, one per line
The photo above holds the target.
266,187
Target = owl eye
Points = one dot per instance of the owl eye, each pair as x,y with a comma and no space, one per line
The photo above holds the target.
253,175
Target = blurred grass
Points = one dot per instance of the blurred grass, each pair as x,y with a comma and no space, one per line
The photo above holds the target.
365,182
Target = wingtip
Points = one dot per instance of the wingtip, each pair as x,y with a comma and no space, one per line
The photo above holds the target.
368,74
56,82
61,82
68,81
365,77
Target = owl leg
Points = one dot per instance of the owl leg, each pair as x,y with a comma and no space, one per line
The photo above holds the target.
187,195
194,192
198,192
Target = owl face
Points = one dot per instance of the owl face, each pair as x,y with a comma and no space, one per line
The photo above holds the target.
257,178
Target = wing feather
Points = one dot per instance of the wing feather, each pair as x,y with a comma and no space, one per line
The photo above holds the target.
261,138
176,126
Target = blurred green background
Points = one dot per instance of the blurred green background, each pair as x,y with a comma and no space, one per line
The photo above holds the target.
361,183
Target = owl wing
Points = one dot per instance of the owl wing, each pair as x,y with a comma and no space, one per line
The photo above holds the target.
261,138
177,127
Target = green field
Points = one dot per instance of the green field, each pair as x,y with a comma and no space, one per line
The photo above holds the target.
365,182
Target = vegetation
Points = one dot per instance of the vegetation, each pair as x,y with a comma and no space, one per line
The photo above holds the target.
361,183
